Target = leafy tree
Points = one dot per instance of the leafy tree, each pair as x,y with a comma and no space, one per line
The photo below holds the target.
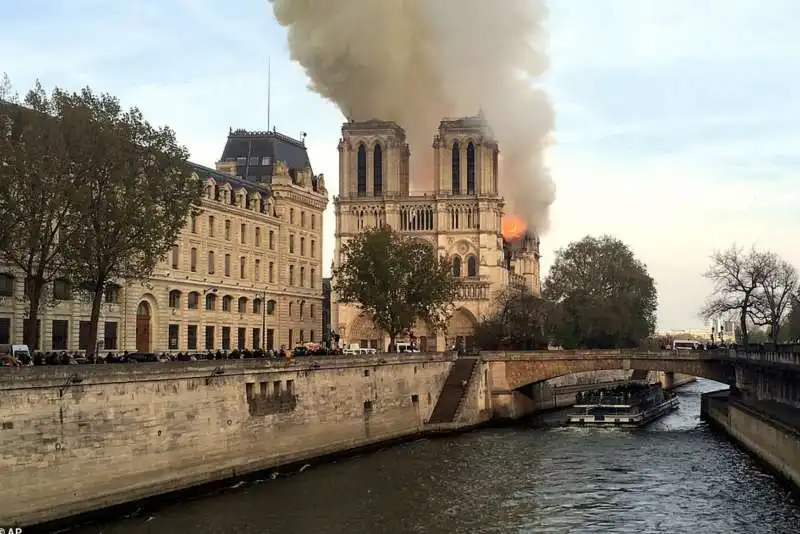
135,189
603,295
773,300
38,196
519,322
737,276
395,280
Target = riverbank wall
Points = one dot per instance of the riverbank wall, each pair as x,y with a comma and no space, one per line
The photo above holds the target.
766,429
81,438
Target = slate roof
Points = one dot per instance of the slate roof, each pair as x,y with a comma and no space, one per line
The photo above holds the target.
263,149
220,177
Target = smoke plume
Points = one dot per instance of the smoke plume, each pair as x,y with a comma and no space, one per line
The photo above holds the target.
417,61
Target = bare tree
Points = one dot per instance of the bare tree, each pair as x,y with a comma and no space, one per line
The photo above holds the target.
738,277
772,302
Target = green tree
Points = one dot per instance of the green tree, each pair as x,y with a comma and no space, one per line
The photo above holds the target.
136,192
603,296
738,277
395,280
38,196
519,322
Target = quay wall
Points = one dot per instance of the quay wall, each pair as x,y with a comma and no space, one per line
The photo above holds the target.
80,438
775,441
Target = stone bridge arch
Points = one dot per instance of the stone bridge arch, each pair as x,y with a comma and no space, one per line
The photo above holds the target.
514,370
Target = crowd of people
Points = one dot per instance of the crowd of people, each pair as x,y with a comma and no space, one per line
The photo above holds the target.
80,357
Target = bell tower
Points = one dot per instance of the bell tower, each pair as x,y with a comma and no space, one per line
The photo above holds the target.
373,159
465,157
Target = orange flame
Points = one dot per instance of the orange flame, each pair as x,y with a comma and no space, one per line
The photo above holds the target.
513,227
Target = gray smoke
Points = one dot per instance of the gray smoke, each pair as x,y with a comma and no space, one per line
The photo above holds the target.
417,61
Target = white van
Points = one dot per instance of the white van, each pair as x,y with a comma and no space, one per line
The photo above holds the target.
404,347
21,353
686,345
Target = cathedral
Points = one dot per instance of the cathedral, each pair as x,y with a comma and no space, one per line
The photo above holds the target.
462,216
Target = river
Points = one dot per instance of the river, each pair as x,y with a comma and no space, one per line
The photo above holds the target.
675,476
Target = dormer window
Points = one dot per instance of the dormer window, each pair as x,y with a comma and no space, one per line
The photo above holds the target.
254,161
241,161
266,161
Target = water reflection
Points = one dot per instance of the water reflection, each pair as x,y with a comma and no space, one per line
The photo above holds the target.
674,476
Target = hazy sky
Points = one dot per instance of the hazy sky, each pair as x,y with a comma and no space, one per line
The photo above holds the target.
675,118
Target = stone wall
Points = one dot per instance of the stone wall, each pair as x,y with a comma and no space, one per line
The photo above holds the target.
78,438
774,442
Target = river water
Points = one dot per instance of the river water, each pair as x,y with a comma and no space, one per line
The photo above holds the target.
675,476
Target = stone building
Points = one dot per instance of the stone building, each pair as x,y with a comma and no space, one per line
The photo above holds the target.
461,217
246,272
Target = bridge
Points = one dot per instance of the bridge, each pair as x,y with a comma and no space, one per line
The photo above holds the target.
510,378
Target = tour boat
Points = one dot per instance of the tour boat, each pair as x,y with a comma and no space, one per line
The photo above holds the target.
631,405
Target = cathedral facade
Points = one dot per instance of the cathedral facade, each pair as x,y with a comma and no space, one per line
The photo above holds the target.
461,217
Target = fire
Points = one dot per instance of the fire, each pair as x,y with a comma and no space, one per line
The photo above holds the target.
513,227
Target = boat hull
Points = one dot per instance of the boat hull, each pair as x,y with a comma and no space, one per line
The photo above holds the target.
634,418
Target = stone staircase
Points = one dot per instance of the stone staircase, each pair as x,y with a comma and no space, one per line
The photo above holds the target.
453,391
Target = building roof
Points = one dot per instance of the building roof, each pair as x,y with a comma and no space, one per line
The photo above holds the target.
256,153
220,177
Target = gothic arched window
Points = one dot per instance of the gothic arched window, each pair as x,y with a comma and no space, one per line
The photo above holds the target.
457,266
456,181
470,169
361,184
472,266
377,170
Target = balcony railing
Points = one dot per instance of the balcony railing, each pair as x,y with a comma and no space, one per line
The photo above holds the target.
421,195
474,289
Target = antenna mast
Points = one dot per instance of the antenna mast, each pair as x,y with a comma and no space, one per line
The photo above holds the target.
269,89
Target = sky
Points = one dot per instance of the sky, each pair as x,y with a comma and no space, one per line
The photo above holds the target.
675,130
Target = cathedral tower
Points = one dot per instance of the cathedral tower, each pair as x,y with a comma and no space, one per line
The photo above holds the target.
373,159
465,157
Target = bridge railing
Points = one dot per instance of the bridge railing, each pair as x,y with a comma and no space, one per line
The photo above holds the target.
775,358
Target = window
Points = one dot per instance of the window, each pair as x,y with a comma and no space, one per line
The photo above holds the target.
243,232
6,285
257,270
194,223
302,309
256,338
456,169
172,336
313,221
302,246
271,307
377,170
291,244
456,266
271,240
290,310
258,236
227,300
303,219
302,336
241,338
226,338
227,264
242,267
270,338
313,283
291,275
59,336
175,256
242,306
228,229
5,330
313,249
62,290
209,338
472,266
241,161
110,335
174,299
361,180
211,302
193,260
211,262
291,215
191,337
311,311
265,161
291,338
254,161
257,303
311,336
112,293
470,169
211,226
302,276
271,269
193,300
